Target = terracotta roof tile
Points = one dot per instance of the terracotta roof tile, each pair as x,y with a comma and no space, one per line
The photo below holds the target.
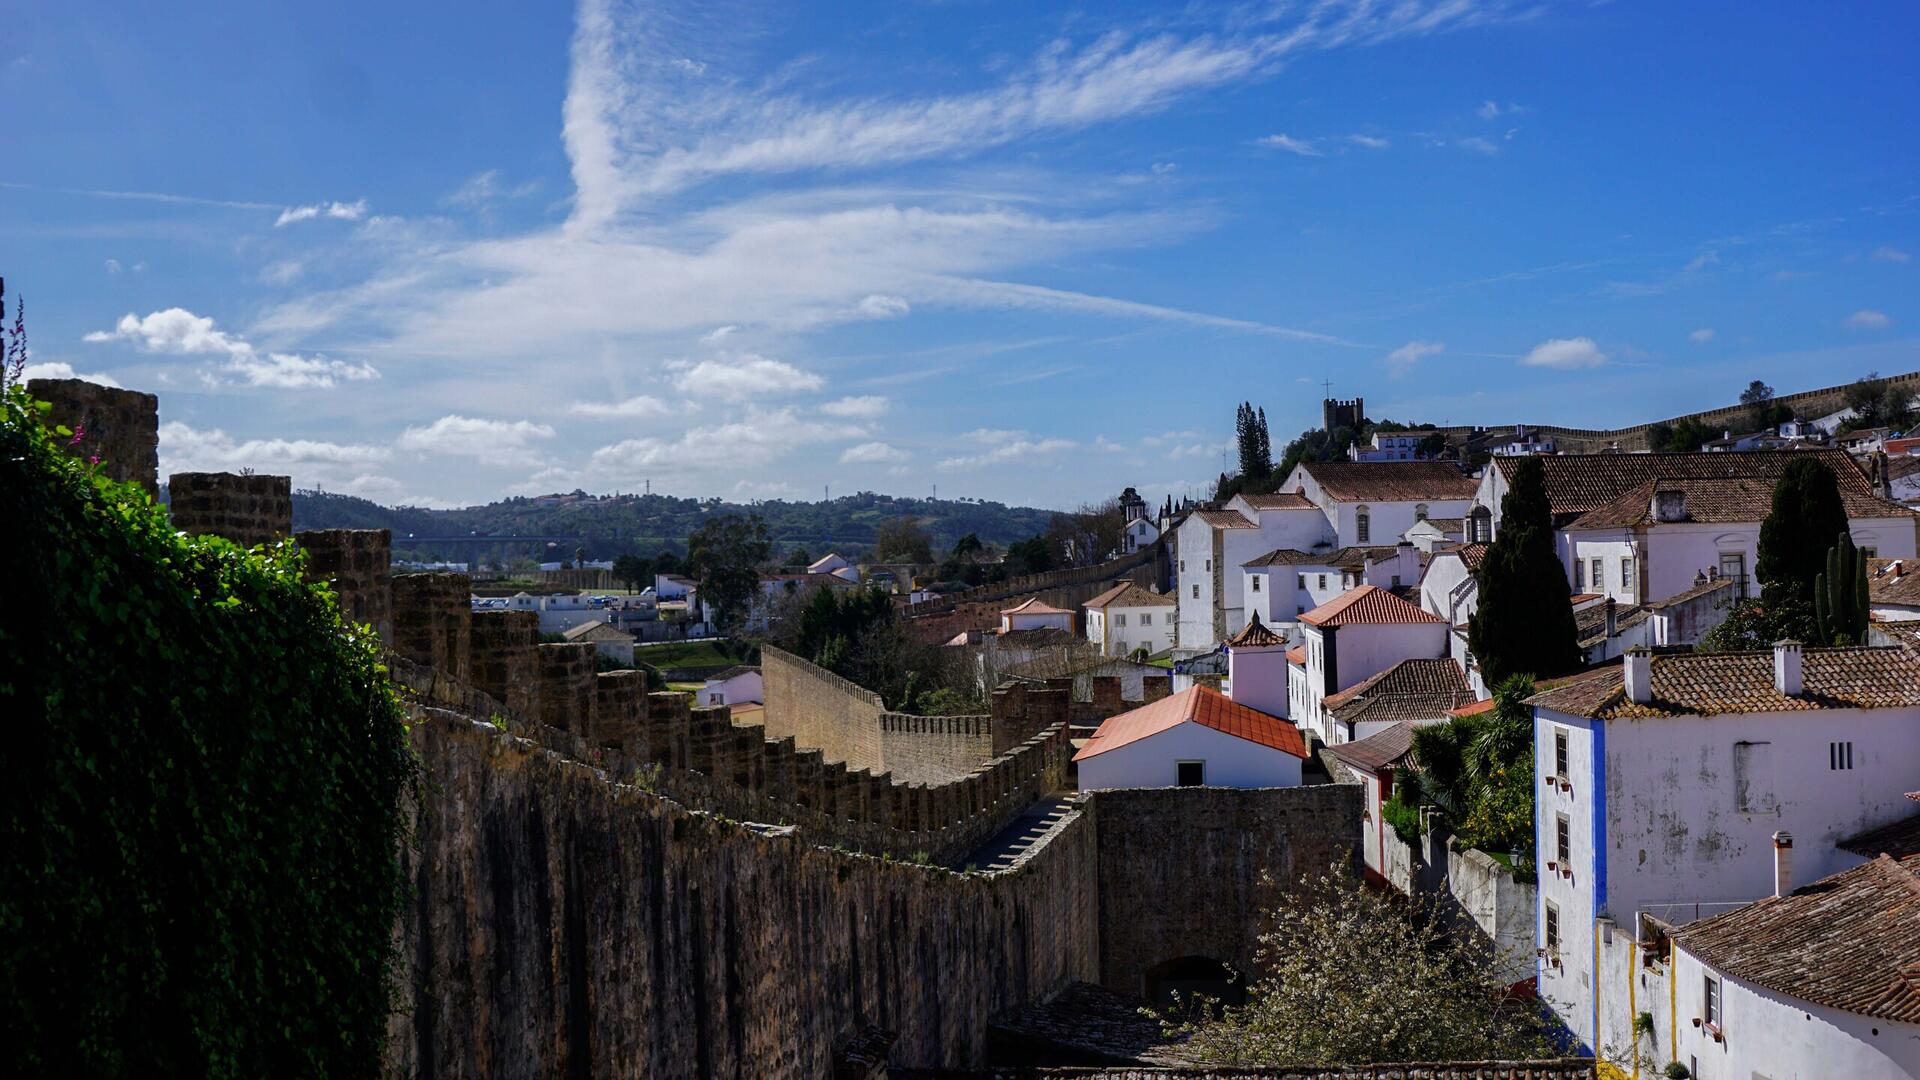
1280,500
1033,606
1294,557
1849,942
1894,582
1225,519
1899,839
1418,691
1036,637
1204,706
1255,635
1579,483
1390,481
1719,500
1377,751
1368,604
1712,684
1471,555
1590,623
1130,595
1297,655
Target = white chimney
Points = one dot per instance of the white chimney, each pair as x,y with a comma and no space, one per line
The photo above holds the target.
1782,863
1786,668
1639,675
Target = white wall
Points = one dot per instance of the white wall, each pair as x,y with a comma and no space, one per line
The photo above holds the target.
1204,554
1676,552
1257,678
1447,589
1361,651
1782,1038
1153,761
1121,630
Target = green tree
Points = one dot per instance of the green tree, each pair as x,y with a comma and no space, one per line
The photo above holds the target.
1477,771
902,540
632,570
1806,515
1524,625
1030,556
797,559
1353,975
1684,436
1876,402
1256,448
968,547
725,556
1762,411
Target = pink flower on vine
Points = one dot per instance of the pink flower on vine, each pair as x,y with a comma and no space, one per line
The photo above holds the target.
94,459
79,433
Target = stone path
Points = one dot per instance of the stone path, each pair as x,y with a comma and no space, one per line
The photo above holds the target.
1010,843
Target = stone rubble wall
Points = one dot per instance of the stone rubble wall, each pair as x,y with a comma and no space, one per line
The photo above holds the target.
565,925
246,509
120,427
357,563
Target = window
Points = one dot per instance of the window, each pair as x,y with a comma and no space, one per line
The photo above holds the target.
1710,1000
1183,566
1146,618
1299,610
1553,928
1120,619
1323,581
1562,841
1396,581
1733,564
1196,592
1560,754
1626,572
1599,576
1420,511
1579,575
1192,773
1839,756
1303,580
1255,578
1362,525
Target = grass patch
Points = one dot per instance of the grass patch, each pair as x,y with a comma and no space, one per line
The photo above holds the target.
682,654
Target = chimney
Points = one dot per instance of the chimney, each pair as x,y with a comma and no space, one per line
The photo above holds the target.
1669,505
1613,620
1782,863
1786,668
1639,675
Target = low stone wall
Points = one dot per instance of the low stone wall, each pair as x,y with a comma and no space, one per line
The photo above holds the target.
565,925
246,509
1487,895
1181,868
120,427
820,710
934,749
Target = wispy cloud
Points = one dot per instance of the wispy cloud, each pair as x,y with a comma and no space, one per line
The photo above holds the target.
1020,450
1282,141
1701,336
1868,319
863,407
639,407
1884,253
1403,359
489,442
1371,142
873,453
336,211
146,196
180,332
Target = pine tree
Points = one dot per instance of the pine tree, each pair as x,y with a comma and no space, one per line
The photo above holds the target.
1807,514
1524,625
1265,448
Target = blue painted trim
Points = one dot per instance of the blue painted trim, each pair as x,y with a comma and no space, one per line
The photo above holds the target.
1599,814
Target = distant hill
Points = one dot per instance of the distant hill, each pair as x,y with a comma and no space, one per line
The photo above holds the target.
646,524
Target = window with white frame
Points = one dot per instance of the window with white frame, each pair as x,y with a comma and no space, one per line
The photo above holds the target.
1710,1000
1562,841
1626,571
1323,582
1552,935
1120,618
1196,592
1599,574
1839,756
1362,525
1560,754
1146,618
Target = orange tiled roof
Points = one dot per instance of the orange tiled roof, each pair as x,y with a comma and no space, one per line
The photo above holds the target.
1893,581
1578,483
1130,595
1721,500
1713,684
1255,635
1204,706
1850,941
1280,500
1033,606
1383,748
1225,519
1367,604
1474,709
1297,655
1898,839
1390,481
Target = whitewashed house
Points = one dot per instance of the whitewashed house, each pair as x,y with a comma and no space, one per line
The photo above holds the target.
1429,534
1657,538
1034,615
833,563
1418,691
1393,446
1128,617
738,685
1198,737
1359,634
1660,785
608,640
1374,760
1806,983
1370,503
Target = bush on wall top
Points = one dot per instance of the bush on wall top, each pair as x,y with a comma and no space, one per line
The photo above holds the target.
202,800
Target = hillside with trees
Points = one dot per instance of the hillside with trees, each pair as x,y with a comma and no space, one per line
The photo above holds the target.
613,525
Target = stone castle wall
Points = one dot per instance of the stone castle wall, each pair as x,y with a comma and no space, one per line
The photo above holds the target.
1181,868
933,749
1565,1069
820,710
246,509
120,427
565,925
357,563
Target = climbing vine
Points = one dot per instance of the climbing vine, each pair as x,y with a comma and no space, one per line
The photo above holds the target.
204,779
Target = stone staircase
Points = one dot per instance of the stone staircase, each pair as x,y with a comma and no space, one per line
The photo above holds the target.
1006,847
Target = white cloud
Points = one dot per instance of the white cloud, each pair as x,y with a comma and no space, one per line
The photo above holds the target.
1701,336
1493,110
490,442
1402,360
113,266
1703,260
184,448
481,190
179,332
863,407
1021,450
1890,254
638,407
739,377
1303,147
1200,450
1371,142
1578,352
337,211
1868,319
989,436
873,453
55,369
1478,144
758,438
719,334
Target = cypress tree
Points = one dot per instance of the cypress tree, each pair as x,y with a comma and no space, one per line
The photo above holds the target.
1807,514
1524,624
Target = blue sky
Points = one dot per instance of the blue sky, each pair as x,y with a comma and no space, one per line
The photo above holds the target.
438,253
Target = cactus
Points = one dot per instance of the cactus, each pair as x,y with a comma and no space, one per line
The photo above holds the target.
1840,595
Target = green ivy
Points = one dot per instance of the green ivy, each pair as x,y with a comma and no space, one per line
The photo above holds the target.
204,781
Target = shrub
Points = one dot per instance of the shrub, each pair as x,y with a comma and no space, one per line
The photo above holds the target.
203,808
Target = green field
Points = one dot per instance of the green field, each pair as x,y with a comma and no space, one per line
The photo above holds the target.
681,654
